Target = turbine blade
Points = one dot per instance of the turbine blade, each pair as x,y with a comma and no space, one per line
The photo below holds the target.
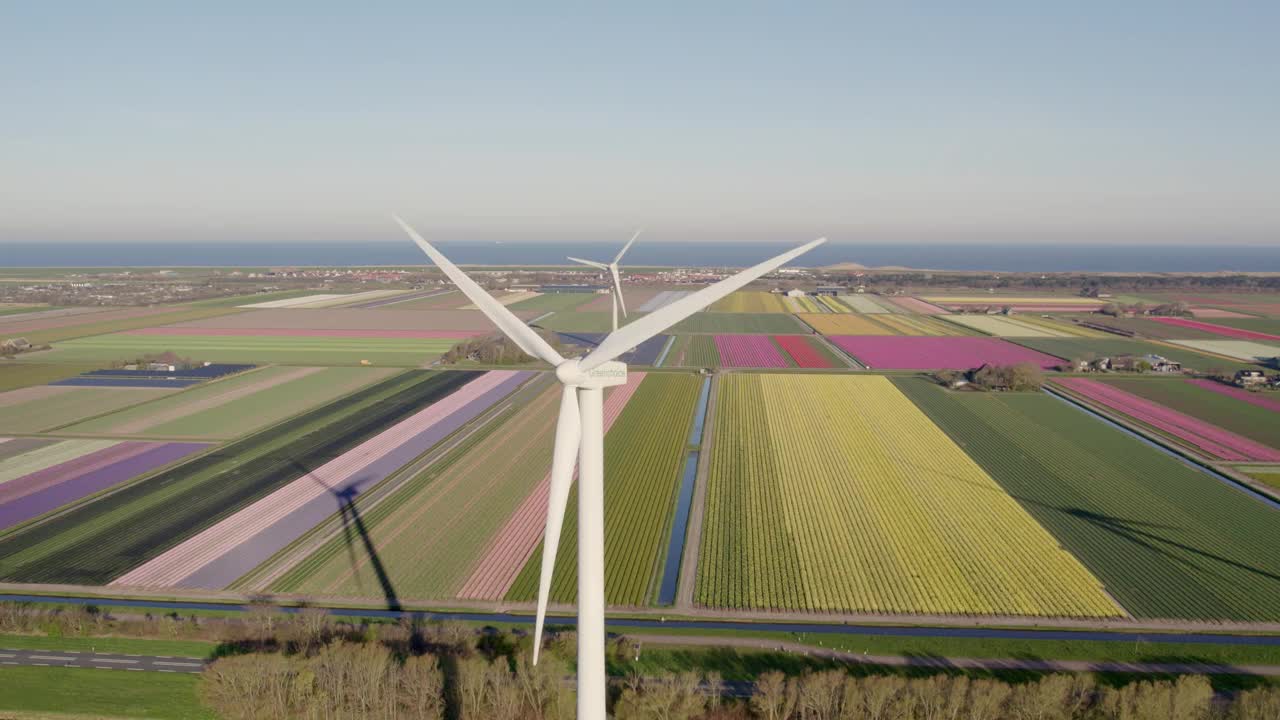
513,327
632,334
563,457
627,247
592,263
617,288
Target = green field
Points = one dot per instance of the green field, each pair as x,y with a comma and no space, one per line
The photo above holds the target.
467,495
748,323
1251,421
702,352
1270,326
14,375
1270,476
74,404
644,456
558,302
239,416
1168,541
85,692
180,313
398,352
110,644
596,322
96,542
18,310
1084,348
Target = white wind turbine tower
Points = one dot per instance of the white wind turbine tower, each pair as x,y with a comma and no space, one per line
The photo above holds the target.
580,432
612,269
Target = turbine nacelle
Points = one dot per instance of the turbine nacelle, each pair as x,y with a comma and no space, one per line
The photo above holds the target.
606,374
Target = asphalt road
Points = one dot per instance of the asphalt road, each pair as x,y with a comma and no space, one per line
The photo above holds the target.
101,661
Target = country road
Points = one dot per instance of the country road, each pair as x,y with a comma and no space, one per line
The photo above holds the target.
101,661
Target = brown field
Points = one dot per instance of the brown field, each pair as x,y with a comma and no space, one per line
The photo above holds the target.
16,328
354,319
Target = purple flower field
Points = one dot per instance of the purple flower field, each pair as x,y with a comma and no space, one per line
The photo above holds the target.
752,351
1211,439
48,489
898,352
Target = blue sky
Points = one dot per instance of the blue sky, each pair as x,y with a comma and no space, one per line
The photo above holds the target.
1008,122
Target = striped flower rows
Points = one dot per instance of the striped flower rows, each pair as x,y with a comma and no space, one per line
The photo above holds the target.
220,554
802,351
49,488
1223,330
932,353
1208,438
515,543
756,351
1253,398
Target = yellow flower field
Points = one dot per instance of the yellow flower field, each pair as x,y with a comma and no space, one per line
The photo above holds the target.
836,493
751,301
844,324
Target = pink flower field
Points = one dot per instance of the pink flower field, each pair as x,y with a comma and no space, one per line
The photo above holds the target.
916,305
900,352
801,350
1222,330
1252,398
1209,438
752,351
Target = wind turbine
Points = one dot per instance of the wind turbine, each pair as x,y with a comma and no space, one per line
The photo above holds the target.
612,269
580,432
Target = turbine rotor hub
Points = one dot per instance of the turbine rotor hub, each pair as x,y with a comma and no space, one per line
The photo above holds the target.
604,375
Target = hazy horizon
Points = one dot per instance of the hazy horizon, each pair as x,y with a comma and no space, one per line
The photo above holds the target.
1005,123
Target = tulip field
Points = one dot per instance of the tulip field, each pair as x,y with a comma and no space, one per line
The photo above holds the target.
933,353
1167,540
753,351
835,493
1204,437
1216,329
97,542
644,455
745,301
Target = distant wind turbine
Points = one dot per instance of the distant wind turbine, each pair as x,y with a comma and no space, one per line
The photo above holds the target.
612,269
580,432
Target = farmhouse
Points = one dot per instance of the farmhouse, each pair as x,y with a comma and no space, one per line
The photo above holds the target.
831,290
795,292
1250,378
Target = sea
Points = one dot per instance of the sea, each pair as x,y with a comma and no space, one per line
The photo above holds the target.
938,256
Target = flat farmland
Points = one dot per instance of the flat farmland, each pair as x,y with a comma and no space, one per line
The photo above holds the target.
1086,348
1003,326
644,456
1246,350
235,406
467,494
751,351
113,321
1203,437
835,493
225,551
96,542
1167,540
45,407
844,324
1252,415
395,317
401,352
742,323
750,301
1270,326
862,304
554,302
914,305
808,352
931,353
18,375
584,322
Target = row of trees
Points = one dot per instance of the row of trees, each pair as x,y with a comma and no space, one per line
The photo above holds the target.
1021,377
1173,309
495,350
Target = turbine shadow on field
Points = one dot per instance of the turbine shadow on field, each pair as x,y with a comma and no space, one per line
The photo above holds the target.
353,523
1146,535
